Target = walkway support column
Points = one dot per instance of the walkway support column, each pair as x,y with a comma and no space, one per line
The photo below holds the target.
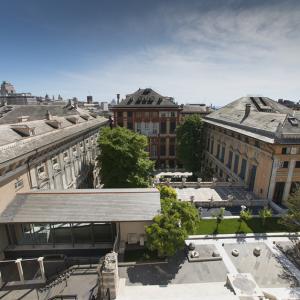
42,269
20,269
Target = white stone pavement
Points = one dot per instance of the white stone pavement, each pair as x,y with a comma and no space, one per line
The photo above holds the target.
191,291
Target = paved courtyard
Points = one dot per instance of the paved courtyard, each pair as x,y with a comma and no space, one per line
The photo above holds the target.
178,270
266,268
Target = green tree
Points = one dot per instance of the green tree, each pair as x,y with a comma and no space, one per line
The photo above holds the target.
167,192
190,144
265,213
168,231
219,217
292,219
123,160
245,215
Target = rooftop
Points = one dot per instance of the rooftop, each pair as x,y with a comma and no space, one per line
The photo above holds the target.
88,205
266,119
146,98
14,141
11,113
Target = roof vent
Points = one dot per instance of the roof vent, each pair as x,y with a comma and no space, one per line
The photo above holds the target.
85,117
293,121
54,123
73,119
23,130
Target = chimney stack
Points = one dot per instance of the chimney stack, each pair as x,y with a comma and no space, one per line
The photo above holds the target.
48,115
118,98
247,110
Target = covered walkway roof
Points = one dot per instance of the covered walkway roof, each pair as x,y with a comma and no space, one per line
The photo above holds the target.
83,205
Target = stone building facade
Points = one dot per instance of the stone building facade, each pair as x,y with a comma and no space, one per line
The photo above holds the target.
49,153
256,141
155,116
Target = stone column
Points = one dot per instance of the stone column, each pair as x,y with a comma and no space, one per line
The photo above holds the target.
288,183
42,269
110,276
273,178
20,269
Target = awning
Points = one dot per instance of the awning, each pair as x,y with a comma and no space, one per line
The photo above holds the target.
90,205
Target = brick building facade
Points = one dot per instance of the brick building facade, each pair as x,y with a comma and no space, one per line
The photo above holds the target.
155,116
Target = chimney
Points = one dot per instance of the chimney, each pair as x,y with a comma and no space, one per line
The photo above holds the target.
118,98
247,110
48,115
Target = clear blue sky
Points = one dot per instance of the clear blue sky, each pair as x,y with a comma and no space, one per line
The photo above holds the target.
196,51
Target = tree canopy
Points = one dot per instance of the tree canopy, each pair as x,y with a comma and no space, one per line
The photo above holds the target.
169,229
292,218
190,143
123,160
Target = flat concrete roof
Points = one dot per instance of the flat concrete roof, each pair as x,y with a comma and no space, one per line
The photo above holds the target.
83,205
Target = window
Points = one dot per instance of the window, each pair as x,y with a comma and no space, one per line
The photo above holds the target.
55,164
19,184
162,149
243,169
172,150
222,154
41,169
208,143
173,114
218,151
66,155
229,163
153,151
286,150
297,165
129,114
285,164
138,127
130,125
163,127
236,163
172,126
74,150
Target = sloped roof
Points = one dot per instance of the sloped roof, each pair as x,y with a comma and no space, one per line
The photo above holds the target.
88,205
13,145
267,118
35,112
146,98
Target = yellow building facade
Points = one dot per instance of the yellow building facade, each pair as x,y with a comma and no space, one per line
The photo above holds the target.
255,142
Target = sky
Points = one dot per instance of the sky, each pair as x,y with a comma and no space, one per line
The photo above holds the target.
212,51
